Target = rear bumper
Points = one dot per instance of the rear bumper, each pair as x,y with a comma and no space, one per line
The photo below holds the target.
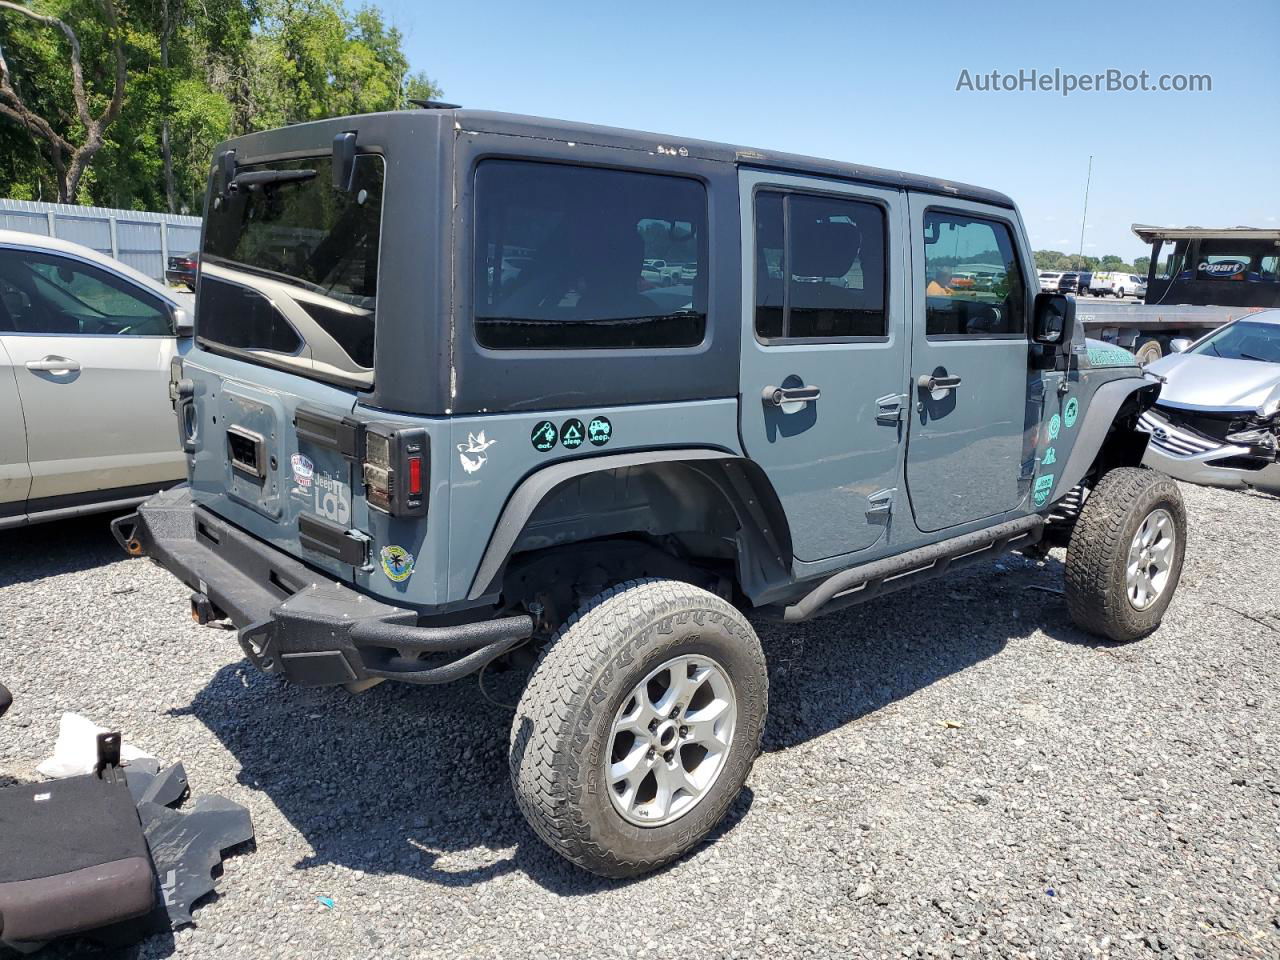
295,622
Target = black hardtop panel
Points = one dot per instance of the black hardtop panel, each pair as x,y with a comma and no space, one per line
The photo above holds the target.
414,287
485,121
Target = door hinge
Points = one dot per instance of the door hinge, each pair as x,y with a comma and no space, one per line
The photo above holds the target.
1028,469
889,409
881,502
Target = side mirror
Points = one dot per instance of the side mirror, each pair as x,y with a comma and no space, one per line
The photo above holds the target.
183,325
1055,318
1180,344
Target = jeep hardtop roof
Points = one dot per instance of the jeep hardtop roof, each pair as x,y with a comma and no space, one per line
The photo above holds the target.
545,128
486,121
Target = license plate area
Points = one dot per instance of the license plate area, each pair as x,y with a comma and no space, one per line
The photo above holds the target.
246,450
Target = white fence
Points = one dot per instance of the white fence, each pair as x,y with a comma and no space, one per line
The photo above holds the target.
143,240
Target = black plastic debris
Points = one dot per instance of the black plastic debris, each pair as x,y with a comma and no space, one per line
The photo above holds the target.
105,856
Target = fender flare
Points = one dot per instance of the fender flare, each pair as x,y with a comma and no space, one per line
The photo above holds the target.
1099,418
526,498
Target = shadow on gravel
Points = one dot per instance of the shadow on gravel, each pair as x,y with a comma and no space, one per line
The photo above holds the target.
399,780
64,546
413,780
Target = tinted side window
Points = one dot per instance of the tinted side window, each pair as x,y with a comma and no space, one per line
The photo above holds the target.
973,285
584,258
49,294
820,268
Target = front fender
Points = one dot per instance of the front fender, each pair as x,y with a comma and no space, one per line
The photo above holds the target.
1110,408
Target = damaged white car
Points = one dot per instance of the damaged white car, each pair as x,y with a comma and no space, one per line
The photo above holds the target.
1218,415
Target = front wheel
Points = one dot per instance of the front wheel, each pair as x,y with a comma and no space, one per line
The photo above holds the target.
1125,554
639,726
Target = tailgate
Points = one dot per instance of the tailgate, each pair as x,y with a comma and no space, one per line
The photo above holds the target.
272,457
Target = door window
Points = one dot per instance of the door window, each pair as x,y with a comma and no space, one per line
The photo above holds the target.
973,284
820,268
48,294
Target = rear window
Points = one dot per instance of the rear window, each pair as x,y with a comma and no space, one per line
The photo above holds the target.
293,263
584,258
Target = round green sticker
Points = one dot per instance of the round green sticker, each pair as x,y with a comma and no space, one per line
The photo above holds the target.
544,436
1055,426
1071,412
572,433
599,431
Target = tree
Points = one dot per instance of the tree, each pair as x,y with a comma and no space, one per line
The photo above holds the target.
72,148
195,72
1141,265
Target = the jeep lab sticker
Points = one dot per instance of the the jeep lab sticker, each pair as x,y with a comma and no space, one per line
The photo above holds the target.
544,436
1055,426
1071,412
472,456
572,433
599,431
1043,487
333,498
303,471
397,563
1050,457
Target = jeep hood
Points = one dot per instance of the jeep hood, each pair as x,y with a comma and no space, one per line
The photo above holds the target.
1196,381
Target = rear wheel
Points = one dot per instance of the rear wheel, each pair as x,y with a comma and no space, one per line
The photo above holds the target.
639,726
1125,554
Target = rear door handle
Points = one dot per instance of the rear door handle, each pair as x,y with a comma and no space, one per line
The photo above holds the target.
780,395
928,381
53,364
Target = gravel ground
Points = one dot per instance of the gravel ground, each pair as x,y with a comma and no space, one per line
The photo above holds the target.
953,771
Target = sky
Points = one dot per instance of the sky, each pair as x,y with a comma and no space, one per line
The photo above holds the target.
876,83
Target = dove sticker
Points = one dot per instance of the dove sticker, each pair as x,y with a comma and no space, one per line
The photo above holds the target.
472,453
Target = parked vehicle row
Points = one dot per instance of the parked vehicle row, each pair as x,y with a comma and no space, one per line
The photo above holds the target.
86,343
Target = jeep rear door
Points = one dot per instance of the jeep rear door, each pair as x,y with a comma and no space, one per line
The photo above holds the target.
823,353
969,356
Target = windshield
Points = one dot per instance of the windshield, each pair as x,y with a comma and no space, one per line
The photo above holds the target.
1243,340
290,264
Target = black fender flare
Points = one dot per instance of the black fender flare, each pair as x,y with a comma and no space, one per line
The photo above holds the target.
1099,419
758,510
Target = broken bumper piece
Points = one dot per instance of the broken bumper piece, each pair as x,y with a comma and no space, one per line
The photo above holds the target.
295,622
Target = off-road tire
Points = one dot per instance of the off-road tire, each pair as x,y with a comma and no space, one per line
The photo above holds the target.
1098,551
563,722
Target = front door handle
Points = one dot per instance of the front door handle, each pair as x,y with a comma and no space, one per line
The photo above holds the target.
54,364
780,395
932,383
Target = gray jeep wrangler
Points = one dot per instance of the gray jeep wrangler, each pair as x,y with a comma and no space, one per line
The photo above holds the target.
469,385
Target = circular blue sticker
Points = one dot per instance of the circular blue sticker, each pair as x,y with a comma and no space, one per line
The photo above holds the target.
1071,412
544,436
1055,426
599,431
572,433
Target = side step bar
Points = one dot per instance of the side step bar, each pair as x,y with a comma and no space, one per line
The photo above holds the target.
923,563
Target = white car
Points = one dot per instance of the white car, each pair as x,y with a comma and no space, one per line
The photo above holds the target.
86,421
1049,281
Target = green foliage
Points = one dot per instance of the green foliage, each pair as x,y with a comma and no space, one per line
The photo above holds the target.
234,66
1056,261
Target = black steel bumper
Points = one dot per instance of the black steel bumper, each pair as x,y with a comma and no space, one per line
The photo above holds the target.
296,622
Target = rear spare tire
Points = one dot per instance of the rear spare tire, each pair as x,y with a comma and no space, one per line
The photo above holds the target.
639,726
1125,554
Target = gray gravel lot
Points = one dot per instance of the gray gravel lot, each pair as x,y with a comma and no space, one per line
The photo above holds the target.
953,771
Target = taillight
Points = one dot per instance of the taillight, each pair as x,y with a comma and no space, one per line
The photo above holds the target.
396,469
